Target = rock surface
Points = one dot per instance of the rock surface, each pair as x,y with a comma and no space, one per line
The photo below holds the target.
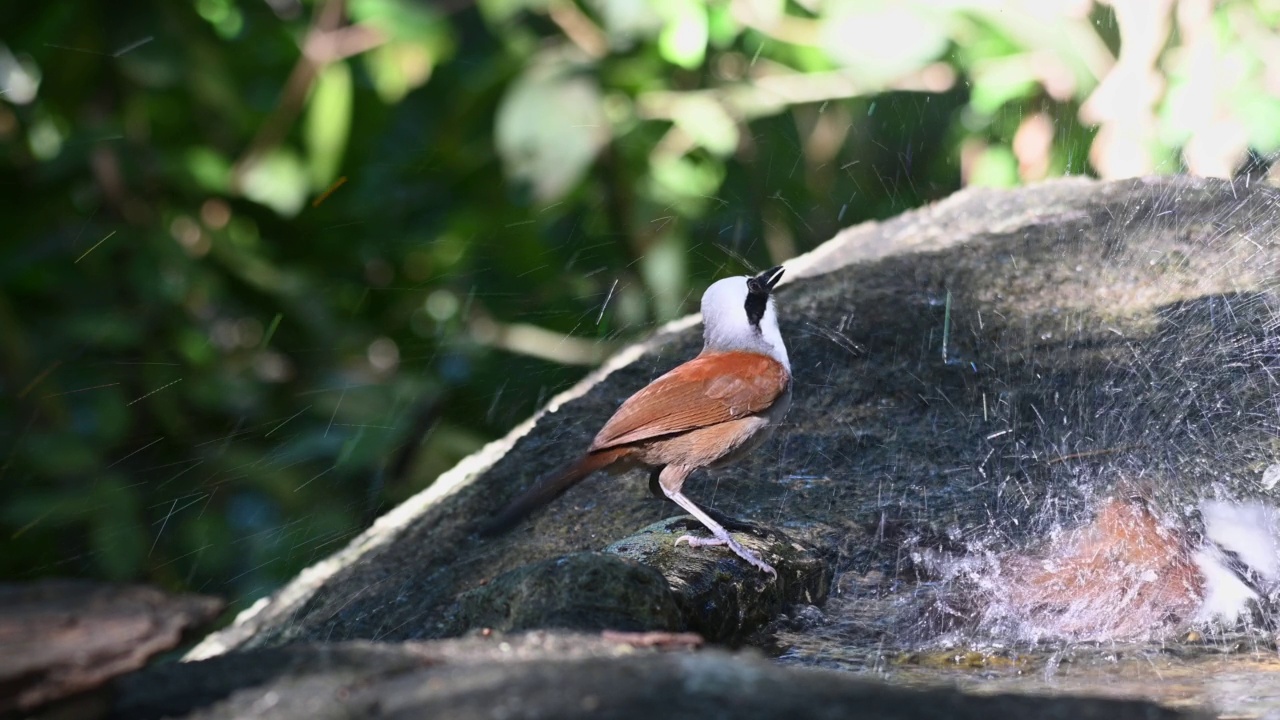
59,638
719,597
543,675
583,591
978,371
647,582
971,378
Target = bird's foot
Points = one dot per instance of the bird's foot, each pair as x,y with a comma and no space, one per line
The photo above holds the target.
733,545
695,541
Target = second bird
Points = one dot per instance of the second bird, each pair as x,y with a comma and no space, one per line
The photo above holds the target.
706,412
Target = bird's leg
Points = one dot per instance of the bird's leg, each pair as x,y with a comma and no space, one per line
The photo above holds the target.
728,522
671,479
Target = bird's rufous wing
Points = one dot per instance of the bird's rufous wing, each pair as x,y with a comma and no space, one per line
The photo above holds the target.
709,389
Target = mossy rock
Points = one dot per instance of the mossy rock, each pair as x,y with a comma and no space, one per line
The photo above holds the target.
720,596
583,591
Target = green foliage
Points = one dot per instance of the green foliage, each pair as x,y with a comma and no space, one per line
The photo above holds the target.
268,268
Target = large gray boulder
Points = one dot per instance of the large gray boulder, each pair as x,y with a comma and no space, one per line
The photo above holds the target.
970,378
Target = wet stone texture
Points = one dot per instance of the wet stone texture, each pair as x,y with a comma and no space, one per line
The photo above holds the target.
974,383
720,597
582,591
547,675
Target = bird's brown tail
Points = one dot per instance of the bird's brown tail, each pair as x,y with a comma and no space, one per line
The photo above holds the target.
547,489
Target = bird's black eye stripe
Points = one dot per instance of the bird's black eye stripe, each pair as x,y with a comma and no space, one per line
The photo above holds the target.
756,302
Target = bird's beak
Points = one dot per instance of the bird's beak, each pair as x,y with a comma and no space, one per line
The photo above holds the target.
769,278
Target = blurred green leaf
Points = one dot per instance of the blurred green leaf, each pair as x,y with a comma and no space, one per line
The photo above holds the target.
549,128
722,28
211,171
399,19
882,40
997,82
683,40
223,15
398,67
327,123
707,122
682,180
996,167
1260,113
278,181
418,39
628,21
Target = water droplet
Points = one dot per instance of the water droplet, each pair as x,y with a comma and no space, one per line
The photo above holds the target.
1271,476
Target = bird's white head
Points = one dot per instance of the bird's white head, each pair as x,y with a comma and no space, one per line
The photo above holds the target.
738,314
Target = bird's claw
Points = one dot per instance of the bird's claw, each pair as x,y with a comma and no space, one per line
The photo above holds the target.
737,549
701,541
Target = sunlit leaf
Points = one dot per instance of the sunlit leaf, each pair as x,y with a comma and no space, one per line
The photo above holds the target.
626,21
549,128
997,82
224,15
1260,113
707,122
885,39
722,28
328,122
399,19
46,137
19,77
279,182
1060,40
995,167
683,40
680,179
398,67
418,39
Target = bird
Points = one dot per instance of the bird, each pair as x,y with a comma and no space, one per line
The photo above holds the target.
706,412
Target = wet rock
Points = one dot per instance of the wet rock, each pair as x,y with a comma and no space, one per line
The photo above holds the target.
719,596
549,675
59,638
971,378
647,582
583,591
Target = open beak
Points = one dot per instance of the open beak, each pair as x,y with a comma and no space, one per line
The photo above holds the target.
769,278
